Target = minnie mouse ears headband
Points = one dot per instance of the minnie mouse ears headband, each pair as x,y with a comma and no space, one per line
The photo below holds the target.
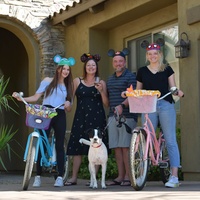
87,56
123,53
64,61
154,46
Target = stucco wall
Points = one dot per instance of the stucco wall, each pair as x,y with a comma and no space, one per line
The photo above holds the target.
190,118
93,33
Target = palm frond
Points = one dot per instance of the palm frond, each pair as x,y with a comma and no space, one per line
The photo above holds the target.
6,133
6,136
2,163
5,98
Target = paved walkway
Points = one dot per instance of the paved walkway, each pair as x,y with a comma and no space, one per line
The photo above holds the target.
10,188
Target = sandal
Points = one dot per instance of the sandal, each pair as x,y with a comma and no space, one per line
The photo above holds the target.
68,183
114,182
125,183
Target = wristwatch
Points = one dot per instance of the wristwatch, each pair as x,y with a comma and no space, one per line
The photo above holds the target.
123,105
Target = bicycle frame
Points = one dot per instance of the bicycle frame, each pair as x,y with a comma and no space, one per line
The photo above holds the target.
152,143
43,146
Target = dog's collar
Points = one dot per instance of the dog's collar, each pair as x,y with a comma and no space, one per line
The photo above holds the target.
97,146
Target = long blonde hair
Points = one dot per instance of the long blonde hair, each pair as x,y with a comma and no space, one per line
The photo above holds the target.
162,66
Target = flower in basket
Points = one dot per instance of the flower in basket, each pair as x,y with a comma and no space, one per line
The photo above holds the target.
40,110
138,93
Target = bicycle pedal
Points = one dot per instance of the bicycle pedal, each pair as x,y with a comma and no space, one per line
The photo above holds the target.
163,165
53,170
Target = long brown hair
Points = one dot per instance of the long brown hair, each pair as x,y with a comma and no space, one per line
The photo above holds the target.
68,81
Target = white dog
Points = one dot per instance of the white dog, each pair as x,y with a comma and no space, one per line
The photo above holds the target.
97,155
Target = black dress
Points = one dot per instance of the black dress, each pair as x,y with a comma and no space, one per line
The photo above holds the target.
89,114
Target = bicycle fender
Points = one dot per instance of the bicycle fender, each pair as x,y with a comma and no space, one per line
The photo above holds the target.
35,134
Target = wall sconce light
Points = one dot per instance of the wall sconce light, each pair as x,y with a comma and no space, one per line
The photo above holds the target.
182,47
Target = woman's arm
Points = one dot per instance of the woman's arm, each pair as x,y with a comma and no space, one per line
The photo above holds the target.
172,83
139,86
68,105
36,96
32,98
76,83
101,87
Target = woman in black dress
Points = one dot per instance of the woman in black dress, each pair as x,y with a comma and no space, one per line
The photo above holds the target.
91,99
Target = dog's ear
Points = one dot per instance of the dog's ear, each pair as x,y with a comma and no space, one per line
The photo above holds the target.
90,132
101,132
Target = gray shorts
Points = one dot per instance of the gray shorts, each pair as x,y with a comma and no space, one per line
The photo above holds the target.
118,137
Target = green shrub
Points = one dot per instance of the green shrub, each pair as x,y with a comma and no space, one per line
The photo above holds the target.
111,172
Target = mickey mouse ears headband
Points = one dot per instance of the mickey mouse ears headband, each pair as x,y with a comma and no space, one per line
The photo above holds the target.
64,61
123,53
87,56
154,46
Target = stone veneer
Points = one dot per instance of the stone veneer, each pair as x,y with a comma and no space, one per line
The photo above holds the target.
33,14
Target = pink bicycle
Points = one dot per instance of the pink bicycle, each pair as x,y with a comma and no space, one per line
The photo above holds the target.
146,147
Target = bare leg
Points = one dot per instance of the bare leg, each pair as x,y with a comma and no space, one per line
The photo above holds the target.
174,171
76,165
126,162
120,164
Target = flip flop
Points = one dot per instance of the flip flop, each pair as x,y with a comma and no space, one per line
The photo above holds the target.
68,183
114,182
125,183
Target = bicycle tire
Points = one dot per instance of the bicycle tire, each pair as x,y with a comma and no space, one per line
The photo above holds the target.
138,166
29,163
66,168
67,159
164,164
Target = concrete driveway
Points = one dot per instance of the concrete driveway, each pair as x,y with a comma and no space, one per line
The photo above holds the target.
10,188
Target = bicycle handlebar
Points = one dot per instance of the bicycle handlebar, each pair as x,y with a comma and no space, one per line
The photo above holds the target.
173,90
21,94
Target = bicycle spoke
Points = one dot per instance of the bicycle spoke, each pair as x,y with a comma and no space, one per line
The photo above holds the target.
138,166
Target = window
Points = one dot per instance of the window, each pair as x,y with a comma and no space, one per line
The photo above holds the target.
137,55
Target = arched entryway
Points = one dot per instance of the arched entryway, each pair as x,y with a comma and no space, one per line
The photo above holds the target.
19,61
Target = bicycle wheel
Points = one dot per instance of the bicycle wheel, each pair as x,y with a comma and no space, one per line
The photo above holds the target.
67,158
29,162
164,163
66,168
138,166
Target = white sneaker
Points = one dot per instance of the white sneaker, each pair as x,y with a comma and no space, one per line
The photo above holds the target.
173,182
37,181
59,182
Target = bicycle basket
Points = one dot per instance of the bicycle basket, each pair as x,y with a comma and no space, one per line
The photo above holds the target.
39,116
142,101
